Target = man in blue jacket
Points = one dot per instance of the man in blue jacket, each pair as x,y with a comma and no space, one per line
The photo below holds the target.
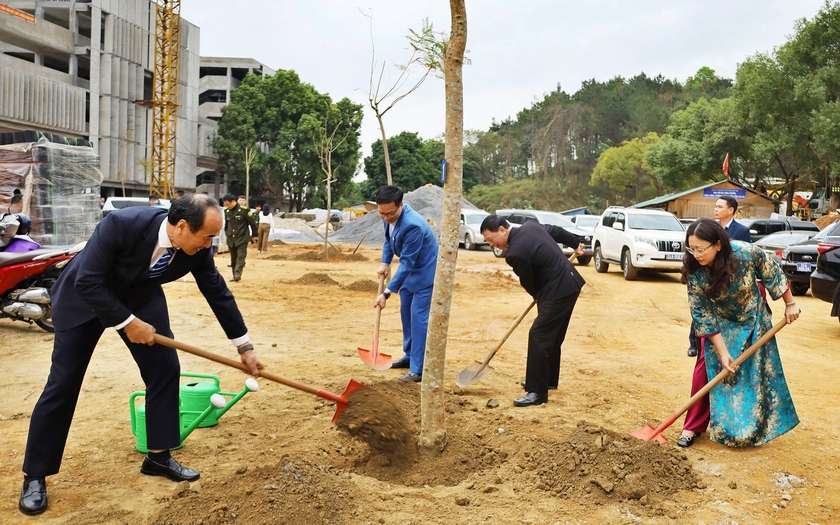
409,237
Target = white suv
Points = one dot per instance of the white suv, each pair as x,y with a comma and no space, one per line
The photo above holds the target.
470,234
636,238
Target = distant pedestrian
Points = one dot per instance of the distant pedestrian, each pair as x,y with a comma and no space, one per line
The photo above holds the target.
266,227
240,228
154,200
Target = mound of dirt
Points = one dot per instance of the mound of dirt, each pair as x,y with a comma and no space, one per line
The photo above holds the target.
332,254
378,421
363,285
291,491
353,257
316,278
596,463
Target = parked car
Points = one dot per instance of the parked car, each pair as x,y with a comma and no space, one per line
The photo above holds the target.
825,281
638,239
517,218
118,203
762,227
686,222
799,260
469,234
585,222
775,243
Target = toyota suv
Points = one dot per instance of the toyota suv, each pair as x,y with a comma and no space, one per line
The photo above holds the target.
517,218
638,239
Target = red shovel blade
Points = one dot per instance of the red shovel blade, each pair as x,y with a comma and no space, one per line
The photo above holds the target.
647,433
373,358
341,401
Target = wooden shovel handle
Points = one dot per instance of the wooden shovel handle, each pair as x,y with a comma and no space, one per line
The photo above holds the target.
510,331
378,308
166,341
723,373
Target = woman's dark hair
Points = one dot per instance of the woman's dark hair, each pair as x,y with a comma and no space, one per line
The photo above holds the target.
266,210
722,268
191,208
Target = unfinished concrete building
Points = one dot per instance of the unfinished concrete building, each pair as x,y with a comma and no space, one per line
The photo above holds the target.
218,76
83,69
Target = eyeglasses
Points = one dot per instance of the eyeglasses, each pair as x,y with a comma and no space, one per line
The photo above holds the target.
697,251
392,213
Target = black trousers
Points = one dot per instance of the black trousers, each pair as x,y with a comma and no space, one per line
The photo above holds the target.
545,340
72,351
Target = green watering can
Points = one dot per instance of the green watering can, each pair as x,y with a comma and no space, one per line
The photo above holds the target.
201,405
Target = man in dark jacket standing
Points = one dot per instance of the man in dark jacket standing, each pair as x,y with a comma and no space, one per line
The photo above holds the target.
240,227
115,282
549,277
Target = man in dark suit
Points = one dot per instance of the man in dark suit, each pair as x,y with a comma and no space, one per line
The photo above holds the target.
725,208
409,237
549,277
116,282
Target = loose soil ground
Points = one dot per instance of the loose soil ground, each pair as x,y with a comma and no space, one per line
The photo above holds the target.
275,457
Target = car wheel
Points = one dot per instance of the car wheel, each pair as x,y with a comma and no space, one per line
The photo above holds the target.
601,266
630,272
798,288
498,252
468,242
583,261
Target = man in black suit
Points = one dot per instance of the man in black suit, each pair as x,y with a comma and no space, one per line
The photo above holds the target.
549,277
725,208
116,282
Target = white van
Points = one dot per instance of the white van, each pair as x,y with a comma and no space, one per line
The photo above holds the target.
118,203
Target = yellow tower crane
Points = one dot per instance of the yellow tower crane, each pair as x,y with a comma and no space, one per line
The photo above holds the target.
165,96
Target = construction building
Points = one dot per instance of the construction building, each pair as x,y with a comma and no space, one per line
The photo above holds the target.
83,69
218,76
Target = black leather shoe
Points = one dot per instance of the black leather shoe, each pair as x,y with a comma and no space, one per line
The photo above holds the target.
531,399
402,363
692,351
236,279
171,469
686,441
411,376
526,389
33,497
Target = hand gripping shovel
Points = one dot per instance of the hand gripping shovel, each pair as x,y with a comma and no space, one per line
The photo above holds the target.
477,370
648,433
372,357
340,400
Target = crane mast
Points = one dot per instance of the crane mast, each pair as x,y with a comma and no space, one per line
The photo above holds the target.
165,96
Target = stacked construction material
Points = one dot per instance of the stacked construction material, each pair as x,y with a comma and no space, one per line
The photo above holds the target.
60,185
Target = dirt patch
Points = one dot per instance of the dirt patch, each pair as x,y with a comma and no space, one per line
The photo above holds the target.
332,255
355,257
292,491
316,278
364,285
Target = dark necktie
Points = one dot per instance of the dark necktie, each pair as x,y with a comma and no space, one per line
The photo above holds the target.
159,268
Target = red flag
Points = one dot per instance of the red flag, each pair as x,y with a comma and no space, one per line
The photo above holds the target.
726,165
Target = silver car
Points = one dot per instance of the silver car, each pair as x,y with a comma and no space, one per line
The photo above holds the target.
469,234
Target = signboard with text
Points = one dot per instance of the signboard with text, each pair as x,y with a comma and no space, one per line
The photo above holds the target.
716,193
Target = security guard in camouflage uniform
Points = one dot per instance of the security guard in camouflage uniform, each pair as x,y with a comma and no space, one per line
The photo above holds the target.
238,220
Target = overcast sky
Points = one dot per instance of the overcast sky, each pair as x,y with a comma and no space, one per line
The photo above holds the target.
520,49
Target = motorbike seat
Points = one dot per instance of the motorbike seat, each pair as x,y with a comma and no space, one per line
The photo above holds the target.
8,259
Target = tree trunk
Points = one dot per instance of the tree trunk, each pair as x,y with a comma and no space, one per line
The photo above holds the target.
432,415
385,149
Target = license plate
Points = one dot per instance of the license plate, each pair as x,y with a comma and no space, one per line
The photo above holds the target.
803,267
673,256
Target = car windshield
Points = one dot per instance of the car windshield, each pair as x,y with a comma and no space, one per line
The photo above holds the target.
587,221
667,223
474,218
554,218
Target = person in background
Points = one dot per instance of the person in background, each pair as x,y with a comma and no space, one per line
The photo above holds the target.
725,208
115,282
266,227
240,228
548,276
178,194
101,202
154,200
409,237
752,406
